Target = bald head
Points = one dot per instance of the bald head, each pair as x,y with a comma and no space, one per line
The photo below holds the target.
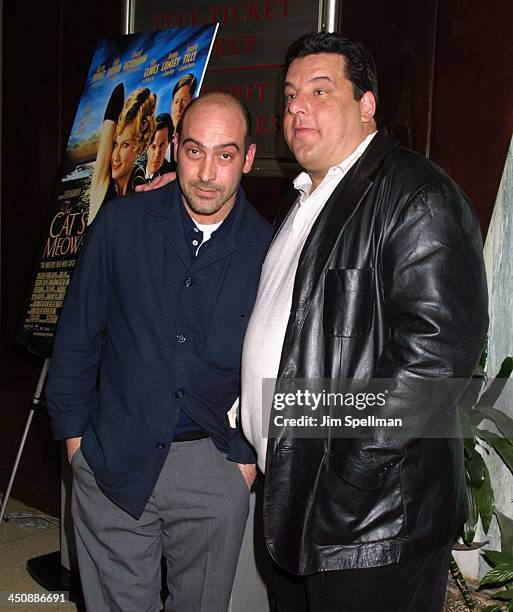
221,100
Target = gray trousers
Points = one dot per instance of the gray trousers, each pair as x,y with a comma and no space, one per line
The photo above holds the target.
195,518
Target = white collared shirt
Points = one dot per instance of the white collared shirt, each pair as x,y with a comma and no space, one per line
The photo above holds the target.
268,323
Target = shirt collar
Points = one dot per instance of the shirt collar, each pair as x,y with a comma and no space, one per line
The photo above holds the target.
193,233
303,182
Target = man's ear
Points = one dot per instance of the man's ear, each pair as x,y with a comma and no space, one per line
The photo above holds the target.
249,158
367,107
175,145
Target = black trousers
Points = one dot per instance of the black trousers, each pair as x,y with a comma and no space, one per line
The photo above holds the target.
415,586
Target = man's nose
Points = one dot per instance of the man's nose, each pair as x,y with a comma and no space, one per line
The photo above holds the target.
207,169
297,104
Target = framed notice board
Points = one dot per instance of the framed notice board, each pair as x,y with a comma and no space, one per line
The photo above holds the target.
247,58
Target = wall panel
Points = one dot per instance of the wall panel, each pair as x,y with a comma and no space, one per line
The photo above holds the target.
400,34
473,96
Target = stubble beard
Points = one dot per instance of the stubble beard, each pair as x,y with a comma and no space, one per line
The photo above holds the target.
205,206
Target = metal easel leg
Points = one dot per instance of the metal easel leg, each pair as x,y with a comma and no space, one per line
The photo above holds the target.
36,400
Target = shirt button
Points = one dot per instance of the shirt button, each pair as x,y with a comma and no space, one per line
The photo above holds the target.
195,242
179,393
180,338
160,445
195,229
188,281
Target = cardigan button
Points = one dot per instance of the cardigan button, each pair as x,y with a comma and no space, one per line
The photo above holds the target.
160,445
179,393
188,281
180,338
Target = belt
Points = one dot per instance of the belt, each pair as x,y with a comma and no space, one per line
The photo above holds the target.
189,436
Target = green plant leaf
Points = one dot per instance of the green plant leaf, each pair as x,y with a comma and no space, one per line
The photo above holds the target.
496,557
469,448
470,396
506,527
504,448
469,529
467,432
494,389
481,366
506,367
503,422
508,595
486,434
494,608
476,469
485,499
498,575
475,418
466,547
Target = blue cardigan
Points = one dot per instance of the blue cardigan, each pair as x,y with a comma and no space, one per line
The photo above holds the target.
146,331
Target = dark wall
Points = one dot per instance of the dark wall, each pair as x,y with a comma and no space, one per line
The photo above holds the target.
446,82
445,78
473,96
400,34
47,48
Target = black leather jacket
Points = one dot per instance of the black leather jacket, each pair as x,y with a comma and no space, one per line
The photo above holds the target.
390,284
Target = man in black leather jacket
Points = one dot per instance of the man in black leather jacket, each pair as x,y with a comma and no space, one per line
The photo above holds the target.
375,272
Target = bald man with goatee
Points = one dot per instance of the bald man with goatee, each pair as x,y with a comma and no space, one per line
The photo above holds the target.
145,369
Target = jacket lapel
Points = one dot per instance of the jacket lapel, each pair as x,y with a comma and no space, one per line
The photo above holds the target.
240,232
164,206
217,250
325,233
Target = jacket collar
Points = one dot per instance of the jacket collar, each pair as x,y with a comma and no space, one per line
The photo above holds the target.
164,204
339,208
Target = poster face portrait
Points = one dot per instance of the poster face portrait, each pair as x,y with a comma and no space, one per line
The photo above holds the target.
156,151
183,92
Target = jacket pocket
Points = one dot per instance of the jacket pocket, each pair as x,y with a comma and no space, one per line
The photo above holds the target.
107,436
349,515
348,302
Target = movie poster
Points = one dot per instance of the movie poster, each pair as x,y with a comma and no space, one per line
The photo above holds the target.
137,87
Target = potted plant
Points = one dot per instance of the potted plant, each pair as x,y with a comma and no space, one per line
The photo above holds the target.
477,406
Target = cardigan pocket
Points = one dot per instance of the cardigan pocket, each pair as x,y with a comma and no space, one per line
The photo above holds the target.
348,302
107,437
